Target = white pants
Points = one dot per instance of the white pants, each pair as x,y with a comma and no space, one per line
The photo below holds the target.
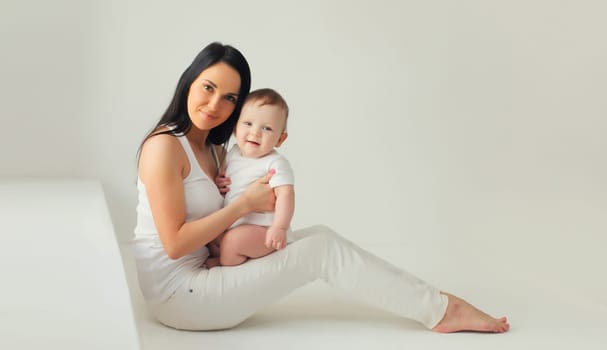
223,297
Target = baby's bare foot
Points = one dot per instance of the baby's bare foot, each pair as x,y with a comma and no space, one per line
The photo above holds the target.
212,262
461,316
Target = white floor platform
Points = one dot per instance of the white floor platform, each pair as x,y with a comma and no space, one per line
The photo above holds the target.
319,317
63,283
64,287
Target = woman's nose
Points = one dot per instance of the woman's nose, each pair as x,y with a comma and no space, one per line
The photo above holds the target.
214,102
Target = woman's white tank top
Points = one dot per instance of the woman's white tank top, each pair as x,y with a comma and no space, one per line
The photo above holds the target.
160,276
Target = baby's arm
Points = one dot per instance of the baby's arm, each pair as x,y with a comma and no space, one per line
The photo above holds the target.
276,237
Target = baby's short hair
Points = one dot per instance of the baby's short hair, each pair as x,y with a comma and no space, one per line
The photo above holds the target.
267,96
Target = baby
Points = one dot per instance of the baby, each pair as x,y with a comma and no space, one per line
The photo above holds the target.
260,128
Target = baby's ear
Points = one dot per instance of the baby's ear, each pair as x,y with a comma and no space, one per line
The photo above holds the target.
282,139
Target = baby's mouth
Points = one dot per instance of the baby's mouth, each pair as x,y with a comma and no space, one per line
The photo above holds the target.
253,142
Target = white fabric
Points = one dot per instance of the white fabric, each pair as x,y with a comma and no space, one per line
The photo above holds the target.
223,297
183,294
242,171
159,276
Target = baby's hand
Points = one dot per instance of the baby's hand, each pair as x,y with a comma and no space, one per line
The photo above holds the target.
276,238
222,182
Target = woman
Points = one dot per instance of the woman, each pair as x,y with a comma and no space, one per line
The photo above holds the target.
180,211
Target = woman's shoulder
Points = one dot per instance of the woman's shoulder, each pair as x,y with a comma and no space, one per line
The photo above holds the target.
161,141
161,150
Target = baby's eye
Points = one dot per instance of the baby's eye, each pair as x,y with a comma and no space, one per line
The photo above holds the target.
267,128
247,123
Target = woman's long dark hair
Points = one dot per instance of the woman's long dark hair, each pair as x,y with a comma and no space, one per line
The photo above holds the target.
177,112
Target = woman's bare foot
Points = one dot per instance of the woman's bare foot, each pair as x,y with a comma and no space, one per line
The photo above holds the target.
461,316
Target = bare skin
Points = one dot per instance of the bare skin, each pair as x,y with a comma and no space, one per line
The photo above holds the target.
461,316
238,245
243,242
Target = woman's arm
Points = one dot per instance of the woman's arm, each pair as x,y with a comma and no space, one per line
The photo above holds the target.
162,168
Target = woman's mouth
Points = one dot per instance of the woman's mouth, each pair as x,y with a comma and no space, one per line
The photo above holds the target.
208,115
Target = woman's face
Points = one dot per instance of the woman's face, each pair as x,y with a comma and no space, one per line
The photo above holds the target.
213,96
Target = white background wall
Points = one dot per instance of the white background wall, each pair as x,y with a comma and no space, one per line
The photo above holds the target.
451,137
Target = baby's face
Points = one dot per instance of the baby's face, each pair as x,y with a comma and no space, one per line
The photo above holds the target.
260,129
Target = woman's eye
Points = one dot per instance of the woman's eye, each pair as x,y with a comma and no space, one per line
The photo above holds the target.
231,98
207,87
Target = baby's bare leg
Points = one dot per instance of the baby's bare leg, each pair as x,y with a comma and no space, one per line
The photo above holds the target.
241,243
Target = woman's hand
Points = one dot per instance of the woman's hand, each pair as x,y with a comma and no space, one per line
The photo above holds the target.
259,196
223,182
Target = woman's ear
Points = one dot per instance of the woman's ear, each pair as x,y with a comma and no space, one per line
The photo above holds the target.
282,139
